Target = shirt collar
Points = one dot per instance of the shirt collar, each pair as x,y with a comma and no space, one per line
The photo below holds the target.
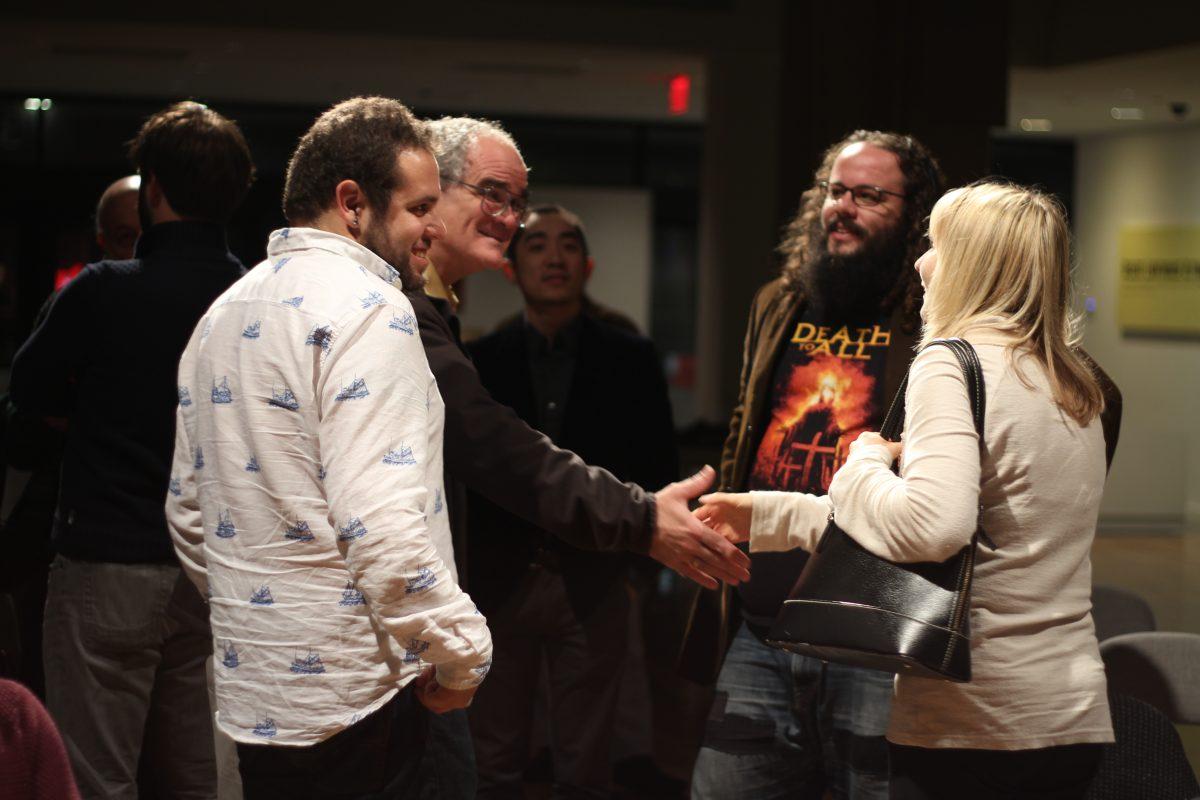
565,341
290,240
434,287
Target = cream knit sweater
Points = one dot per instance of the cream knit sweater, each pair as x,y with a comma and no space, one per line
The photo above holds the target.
1037,676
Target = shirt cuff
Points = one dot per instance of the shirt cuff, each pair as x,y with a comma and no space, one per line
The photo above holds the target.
786,520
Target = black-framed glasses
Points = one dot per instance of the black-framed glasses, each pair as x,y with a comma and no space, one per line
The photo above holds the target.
494,199
864,196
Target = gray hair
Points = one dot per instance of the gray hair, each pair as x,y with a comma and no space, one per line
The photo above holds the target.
453,138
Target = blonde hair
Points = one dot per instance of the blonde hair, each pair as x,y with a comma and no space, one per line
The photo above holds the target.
1004,260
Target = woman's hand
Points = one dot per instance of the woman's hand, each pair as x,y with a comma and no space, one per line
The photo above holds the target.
869,438
727,514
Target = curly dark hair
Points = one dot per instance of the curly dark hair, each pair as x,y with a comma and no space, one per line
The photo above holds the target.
356,140
923,184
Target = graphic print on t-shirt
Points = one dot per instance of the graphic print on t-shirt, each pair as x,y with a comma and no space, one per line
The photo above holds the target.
827,390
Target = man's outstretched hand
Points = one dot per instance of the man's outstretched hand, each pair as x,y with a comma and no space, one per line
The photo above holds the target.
687,545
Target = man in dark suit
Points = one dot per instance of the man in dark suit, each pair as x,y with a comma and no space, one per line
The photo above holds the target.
598,391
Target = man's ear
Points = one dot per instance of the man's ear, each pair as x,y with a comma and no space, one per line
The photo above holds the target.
506,266
350,203
588,266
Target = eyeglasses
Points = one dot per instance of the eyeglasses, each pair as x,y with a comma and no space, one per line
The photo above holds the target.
864,196
495,199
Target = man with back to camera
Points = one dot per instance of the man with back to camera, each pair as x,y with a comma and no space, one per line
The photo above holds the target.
826,347
599,391
306,492
126,635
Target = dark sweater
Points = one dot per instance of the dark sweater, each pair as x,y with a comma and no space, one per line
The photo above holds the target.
106,360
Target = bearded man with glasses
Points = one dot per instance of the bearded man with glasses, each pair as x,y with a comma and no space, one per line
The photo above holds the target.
827,345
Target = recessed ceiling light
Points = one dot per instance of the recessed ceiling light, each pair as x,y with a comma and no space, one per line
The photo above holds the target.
1036,125
1128,113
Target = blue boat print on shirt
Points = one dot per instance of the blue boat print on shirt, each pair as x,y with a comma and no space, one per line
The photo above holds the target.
351,596
285,233
309,665
174,487
278,265
284,399
355,391
353,529
221,393
206,330
406,323
321,472
185,397
262,596
230,657
422,581
320,336
483,669
265,728
402,457
225,526
294,302
413,650
437,501
199,462
299,532
253,330
252,465
372,299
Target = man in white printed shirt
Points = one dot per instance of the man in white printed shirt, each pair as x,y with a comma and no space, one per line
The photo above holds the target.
306,496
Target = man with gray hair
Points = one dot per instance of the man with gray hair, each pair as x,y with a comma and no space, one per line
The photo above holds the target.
489,449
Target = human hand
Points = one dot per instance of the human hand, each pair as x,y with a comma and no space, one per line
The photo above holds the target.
688,546
727,514
868,438
438,698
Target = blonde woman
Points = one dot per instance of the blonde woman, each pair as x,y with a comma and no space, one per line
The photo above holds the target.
1032,721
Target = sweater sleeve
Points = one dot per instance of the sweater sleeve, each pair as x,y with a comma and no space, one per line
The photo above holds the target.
931,511
787,520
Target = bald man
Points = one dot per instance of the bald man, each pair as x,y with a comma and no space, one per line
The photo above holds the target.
117,223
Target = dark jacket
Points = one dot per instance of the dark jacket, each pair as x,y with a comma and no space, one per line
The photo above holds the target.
617,416
106,359
489,449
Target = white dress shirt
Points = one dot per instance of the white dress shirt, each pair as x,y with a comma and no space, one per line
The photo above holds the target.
1037,679
306,495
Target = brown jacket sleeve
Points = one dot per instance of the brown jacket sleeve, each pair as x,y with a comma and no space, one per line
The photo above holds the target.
1110,417
493,452
729,451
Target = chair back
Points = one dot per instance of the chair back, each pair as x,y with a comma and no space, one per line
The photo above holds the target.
1147,760
1159,668
1117,611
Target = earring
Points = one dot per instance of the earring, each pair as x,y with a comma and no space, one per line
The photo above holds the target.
354,222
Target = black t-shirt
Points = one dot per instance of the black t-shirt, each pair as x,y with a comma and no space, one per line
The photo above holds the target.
827,389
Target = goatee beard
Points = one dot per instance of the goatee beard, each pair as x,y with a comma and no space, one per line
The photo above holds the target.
848,289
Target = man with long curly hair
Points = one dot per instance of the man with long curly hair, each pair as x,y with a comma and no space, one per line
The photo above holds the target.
827,345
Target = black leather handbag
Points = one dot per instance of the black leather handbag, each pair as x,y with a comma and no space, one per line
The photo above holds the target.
852,607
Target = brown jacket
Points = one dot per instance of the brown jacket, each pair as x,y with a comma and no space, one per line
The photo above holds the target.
489,449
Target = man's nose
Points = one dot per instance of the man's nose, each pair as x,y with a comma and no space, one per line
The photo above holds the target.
845,204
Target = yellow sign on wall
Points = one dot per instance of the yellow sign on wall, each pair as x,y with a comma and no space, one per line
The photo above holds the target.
1158,290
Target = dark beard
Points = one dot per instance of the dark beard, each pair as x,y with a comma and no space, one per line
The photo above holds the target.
410,279
845,290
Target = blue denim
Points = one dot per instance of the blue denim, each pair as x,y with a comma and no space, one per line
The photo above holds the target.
789,726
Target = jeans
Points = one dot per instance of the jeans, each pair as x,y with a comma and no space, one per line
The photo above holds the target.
125,646
789,726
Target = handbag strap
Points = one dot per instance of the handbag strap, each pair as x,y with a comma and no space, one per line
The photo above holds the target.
968,360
